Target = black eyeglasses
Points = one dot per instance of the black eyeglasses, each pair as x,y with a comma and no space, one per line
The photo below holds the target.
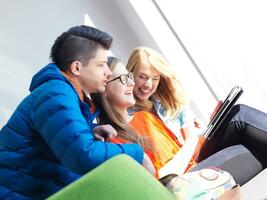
124,78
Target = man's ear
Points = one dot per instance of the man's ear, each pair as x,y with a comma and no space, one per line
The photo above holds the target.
75,68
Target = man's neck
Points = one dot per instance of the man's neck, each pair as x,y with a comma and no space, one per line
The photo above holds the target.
75,83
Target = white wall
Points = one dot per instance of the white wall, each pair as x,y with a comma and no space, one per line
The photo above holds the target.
29,28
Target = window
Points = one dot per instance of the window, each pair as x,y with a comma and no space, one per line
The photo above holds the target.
224,41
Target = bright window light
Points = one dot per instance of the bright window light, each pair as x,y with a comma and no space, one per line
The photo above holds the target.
228,42
88,21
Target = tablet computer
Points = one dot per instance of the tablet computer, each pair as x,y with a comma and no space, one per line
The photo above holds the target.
227,105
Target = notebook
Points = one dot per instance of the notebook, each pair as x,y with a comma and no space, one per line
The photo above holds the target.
227,105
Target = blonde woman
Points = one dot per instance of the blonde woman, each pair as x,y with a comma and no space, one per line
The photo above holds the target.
158,90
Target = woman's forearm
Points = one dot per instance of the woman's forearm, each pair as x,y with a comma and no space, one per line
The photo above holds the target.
180,162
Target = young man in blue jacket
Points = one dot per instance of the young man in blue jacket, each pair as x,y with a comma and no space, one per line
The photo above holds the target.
48,142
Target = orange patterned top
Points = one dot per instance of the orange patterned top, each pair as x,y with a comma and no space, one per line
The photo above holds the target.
163,142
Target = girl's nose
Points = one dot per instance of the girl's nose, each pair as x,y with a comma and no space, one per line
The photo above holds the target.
148,82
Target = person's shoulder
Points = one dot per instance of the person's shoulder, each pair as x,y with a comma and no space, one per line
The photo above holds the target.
143,115
139,118
140,113
132,110
54,93
158,107
57,87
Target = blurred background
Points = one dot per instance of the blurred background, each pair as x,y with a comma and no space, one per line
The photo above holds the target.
212,45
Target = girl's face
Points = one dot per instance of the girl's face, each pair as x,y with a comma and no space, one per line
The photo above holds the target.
146,81
119,89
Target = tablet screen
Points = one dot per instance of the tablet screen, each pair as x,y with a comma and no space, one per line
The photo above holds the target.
227,104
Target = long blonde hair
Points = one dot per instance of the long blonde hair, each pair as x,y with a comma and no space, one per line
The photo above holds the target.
169,91
112,117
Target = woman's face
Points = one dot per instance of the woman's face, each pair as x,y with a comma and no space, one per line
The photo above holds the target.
146,81
119,89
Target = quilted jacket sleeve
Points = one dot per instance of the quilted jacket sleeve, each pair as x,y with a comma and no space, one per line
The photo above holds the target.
57,116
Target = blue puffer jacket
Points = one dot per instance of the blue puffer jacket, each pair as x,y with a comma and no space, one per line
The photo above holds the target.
48,143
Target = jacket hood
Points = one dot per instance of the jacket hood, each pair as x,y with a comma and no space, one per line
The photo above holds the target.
49,72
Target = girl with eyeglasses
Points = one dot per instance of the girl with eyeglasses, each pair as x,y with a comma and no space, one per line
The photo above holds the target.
143,127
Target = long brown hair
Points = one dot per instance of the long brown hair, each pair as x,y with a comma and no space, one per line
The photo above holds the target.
169,91
112,117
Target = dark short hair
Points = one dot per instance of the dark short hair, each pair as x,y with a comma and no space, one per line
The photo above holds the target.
78,43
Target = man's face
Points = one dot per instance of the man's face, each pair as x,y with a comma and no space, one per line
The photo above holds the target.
93,76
